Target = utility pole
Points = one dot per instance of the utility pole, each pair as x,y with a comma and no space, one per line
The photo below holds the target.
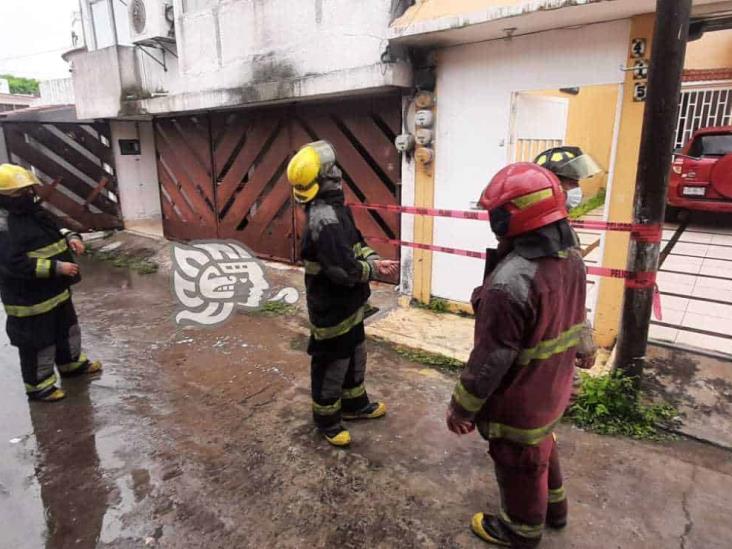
654,162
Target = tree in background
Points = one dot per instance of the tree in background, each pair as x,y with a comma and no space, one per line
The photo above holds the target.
26,86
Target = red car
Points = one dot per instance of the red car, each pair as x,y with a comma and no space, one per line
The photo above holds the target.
701,173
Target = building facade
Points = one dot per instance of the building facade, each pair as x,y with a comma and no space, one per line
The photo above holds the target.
514,77
208,99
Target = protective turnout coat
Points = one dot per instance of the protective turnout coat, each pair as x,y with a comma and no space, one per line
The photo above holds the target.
530,318
338,267
36,299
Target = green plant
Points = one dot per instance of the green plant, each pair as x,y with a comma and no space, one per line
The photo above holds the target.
121,260
429,359
588,205
277,308
436,305
612,405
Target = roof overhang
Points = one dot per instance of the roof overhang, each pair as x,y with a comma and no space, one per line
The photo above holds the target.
529,17
45,114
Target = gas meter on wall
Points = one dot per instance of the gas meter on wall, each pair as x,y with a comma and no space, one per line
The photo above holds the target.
424,119
423,136
425,100
404,142
424,155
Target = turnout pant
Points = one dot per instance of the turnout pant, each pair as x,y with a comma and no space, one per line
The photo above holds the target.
338,385
532,490
37,365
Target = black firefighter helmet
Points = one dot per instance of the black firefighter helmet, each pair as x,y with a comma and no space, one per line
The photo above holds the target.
568,163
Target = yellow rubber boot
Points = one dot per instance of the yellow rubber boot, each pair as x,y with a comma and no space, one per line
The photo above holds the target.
54,396
487,528
338,437
372,411
82,367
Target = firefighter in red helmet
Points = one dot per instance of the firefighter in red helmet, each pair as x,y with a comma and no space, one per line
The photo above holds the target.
530,315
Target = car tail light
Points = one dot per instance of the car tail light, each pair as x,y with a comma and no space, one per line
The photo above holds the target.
677,166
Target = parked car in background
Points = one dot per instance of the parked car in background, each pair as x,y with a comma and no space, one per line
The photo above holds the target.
701,173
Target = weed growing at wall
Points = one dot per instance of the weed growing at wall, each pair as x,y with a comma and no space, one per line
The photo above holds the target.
122,260
611,405
430,359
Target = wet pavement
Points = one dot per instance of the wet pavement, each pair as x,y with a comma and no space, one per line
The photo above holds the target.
202,438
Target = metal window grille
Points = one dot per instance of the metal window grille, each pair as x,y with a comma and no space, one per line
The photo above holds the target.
701,108
528,149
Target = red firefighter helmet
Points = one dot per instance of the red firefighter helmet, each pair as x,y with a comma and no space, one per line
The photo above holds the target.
523,197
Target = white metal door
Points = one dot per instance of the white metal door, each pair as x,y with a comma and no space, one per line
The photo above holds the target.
539,123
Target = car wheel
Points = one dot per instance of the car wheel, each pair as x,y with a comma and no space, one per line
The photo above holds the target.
672,214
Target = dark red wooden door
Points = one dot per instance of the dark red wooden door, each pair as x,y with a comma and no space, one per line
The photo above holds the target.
186,177
224,174
363,132
251,151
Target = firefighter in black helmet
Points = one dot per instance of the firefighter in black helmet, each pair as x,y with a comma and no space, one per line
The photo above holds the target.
570,165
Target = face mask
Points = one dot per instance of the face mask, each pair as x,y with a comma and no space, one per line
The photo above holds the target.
574,198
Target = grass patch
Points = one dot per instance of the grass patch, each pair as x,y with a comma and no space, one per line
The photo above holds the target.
436,305
122,260
591,204
277,308
429,359
611,405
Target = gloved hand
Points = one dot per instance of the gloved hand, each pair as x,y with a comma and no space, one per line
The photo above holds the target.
457,424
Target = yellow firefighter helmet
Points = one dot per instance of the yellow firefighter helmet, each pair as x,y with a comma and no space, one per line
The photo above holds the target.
309,163
13,178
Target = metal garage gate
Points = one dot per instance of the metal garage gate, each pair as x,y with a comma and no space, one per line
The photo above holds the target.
222,174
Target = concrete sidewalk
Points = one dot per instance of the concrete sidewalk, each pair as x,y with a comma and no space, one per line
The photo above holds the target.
203,438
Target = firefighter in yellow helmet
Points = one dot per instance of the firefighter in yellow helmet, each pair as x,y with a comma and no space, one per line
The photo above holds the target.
37,269
338,267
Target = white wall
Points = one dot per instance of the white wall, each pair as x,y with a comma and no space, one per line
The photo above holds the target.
56,92
237,52
137,176
474,92
224,44
101,78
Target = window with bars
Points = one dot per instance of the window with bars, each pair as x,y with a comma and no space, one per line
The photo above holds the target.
702,108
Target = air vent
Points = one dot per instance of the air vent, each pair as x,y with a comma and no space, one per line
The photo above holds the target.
151,21
138,16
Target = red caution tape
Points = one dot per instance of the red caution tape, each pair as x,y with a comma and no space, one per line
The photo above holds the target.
430,212
640,232
430,247
632,279
638,280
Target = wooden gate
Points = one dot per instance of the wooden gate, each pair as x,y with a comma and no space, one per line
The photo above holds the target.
223,174
75,163
185,175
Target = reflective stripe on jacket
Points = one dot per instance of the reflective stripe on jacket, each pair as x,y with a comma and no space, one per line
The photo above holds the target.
30,246
530,314
338,267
